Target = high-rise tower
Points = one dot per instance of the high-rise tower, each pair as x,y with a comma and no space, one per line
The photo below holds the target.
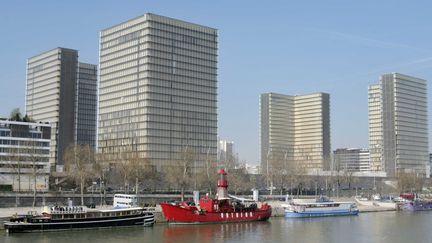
158,90
398,134
62,91
296,130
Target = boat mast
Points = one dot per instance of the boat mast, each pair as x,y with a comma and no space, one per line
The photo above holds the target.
222,185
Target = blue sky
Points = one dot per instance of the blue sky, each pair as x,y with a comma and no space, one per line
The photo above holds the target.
338,47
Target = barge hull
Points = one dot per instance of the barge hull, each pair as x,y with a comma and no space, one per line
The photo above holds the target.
15,227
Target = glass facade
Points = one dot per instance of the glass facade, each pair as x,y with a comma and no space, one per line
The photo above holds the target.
158,89
86,103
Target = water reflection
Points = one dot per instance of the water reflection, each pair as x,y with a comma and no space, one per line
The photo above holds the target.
214,232
392,227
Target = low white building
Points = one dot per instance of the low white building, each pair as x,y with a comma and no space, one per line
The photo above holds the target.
24,155
352,159
253,169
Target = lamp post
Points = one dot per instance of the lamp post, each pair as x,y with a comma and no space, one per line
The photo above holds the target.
93,185
100,190
267,165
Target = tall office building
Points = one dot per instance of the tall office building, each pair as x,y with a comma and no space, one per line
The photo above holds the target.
296,129
158,90
62,91
398,134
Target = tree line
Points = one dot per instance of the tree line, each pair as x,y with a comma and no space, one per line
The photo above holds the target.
132,174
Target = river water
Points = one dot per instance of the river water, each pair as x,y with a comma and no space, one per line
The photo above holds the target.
391,227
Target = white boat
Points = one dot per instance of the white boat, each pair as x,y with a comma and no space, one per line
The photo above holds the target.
297,208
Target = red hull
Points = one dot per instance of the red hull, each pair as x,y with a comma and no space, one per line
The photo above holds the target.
179,214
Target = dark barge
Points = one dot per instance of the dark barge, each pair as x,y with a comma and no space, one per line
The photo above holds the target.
77,217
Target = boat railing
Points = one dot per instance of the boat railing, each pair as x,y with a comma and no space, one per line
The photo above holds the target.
149,209
32,213
67,210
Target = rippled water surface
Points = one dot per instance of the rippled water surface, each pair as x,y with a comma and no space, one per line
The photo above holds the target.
391,227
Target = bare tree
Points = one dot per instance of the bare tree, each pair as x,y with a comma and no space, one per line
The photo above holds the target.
207,179
14,161
123,167
238,179
180,172
279,172
79,164
136,169
409,182
302,179
271,171
336,180
348,178
150,177
36,165
131,168
101,169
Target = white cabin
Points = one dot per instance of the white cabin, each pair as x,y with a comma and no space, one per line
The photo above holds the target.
125,201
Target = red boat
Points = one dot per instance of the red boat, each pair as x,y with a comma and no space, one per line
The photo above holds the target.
219,210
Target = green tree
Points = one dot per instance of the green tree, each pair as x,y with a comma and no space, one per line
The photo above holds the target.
27,118
15,115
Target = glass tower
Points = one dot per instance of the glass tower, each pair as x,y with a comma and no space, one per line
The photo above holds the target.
158,90
398,131
62,91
